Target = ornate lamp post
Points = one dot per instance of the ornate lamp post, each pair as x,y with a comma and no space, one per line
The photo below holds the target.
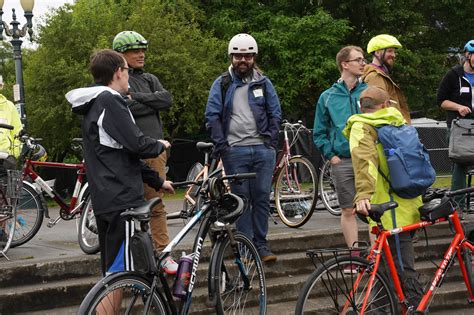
15,32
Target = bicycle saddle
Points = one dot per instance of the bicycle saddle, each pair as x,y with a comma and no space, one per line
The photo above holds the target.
141,213
205,146
377,210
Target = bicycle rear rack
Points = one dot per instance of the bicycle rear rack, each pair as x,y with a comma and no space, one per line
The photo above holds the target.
321,255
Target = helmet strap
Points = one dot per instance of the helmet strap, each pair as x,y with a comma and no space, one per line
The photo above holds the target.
469,59
381,61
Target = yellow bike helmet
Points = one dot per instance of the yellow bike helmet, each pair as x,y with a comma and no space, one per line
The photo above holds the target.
382,41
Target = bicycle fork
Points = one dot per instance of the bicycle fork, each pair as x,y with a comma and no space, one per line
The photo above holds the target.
238,259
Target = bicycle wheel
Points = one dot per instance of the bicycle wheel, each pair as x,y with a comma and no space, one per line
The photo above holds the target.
122,293
339,287
327,190
238,282
87,233
296,192
7,226
469,263
30,214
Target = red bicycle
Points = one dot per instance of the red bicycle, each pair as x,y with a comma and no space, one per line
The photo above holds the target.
366,289
32,206
294,180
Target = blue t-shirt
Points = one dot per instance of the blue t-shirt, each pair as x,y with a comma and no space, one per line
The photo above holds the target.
470,77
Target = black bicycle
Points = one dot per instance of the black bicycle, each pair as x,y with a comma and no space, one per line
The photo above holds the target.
236,281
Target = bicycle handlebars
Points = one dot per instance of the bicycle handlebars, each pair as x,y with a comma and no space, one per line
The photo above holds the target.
232,177
377,210
298,124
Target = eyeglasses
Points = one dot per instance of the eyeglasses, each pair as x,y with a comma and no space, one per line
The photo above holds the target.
361,61
125,68
247,57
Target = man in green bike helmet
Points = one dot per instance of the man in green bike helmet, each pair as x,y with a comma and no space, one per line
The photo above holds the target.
146,99
127,40
383,49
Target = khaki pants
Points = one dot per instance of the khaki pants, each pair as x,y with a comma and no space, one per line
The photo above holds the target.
159,229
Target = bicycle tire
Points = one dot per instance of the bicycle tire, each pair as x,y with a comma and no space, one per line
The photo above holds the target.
88,236
225,279
469,264
135,287
327,190
7,228
295,205
328,289
30,214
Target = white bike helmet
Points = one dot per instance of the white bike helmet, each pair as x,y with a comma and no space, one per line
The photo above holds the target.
243,44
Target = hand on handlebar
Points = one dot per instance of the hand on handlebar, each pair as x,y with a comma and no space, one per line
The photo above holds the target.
362,206
335,160
165,143
167,187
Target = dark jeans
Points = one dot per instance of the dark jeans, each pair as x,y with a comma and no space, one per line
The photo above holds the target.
248,159
408,276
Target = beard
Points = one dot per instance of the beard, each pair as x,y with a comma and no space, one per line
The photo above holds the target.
389,62
243,69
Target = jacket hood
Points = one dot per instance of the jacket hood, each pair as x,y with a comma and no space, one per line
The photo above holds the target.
386,116
459,70
82,98
256,75
3,99
369,68
341,86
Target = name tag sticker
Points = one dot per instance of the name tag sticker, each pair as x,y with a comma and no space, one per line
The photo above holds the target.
258,93
464,89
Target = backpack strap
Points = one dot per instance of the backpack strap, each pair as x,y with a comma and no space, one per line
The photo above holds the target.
225,83
397,238
392,212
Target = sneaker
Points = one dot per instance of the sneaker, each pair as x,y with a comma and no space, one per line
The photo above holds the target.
169,266
266,254
350,269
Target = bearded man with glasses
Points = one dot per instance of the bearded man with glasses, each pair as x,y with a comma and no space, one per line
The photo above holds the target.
383,49
243,117
334,107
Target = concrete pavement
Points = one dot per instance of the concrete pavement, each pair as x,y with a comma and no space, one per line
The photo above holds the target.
60,242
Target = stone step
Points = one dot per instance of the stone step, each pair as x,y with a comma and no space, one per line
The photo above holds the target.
29,287
15,274
282,294
452,296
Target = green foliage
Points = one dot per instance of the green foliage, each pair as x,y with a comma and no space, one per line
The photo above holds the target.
180,54
429,30
298,54
298,41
